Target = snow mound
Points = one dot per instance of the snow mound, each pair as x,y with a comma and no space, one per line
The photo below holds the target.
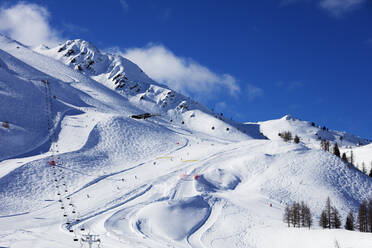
216,179
294,173
114,144
163,219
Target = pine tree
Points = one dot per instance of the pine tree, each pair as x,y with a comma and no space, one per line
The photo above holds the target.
336,150
335,218
370,172
286,136
302,213
309,218
296,139
362,217
344,158
328,210
364,170
324,144
350,220
323,222
296,214
287,217
326,216
351,157
306,216
369,216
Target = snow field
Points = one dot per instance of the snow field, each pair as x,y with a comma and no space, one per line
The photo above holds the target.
153,182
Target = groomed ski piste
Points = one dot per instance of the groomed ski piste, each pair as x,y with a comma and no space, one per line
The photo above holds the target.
74,163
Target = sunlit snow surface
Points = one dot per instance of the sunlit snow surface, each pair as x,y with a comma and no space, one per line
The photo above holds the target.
153,183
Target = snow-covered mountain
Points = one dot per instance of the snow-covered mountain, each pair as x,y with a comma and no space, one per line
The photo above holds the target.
309,133
184,177
311,136
129,80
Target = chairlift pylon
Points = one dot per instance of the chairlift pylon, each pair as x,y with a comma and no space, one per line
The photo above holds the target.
91,239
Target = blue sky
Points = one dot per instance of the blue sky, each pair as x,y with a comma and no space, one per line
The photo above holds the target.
252,60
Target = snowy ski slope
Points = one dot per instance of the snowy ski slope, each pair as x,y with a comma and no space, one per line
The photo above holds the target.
152,182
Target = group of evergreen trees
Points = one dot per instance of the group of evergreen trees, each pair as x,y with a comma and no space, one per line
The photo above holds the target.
363,222
325,145
298,215
364,219
330,218
287,136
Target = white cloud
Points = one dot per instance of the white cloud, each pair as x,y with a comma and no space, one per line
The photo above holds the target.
254,92
338,7
29,24
124,5
335,7
181,74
